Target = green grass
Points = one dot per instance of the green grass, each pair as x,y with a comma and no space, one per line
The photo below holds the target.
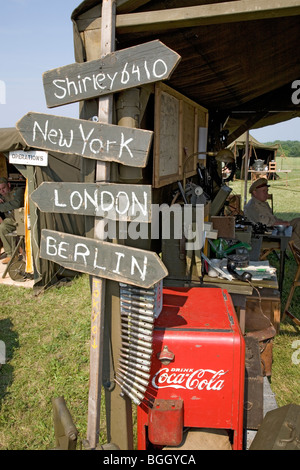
47,340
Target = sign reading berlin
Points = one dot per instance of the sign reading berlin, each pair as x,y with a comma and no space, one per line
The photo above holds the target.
103,259
120,70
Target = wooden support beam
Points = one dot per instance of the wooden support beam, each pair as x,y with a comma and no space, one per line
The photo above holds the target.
126,6
98,284
228,12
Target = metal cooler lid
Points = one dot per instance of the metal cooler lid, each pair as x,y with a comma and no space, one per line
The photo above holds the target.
196,308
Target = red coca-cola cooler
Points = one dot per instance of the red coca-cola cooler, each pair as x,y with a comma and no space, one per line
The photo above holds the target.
197,371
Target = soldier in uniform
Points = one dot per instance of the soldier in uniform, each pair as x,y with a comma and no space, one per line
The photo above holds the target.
258,210
10,199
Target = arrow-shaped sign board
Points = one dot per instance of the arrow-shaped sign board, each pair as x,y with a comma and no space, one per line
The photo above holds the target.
109,200
120,70
105,142
102,259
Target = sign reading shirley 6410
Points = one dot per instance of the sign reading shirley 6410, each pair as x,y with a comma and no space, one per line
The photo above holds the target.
120,70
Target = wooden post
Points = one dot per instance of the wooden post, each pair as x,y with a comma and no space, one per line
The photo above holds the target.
98,285
246,168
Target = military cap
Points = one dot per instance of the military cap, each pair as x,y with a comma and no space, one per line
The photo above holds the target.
3,180
259,183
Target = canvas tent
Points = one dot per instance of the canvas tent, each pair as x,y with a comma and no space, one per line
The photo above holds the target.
257,151
239,58
60,168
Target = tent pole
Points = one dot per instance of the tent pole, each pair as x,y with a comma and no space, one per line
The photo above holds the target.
246,167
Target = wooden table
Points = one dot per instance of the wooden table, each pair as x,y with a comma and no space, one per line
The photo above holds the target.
256,173
282,239
240,291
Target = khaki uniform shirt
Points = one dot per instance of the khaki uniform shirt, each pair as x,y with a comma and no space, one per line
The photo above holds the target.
257,211
13,200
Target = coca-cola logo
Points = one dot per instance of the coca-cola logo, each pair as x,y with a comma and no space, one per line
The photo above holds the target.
189,379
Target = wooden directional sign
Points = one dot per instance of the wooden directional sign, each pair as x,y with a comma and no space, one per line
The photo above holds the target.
112,201
103,259
120,70
105,142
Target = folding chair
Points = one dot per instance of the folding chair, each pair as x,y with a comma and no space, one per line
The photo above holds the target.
296,283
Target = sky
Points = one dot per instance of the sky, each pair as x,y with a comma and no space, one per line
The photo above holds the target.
37,36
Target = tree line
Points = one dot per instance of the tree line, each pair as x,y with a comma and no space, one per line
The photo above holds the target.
290,148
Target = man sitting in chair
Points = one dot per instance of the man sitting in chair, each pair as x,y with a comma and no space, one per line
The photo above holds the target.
258,210
9,200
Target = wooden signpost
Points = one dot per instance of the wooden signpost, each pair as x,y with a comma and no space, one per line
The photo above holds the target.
113,201
116,71
105,142
102,259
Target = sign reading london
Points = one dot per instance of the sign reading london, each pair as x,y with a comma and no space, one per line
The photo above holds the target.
113,201
120,70
106,142
102,259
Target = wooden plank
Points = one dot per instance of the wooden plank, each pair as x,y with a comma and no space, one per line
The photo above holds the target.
120,70
126,6
199,15
98,326
96,140
113,201
102,259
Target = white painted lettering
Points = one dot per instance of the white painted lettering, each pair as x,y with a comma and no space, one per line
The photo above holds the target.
83,254
122,203
96,143
94,200
143,270
80,199
95,265
51,246
61,249
56,202
70,84
63,141
142,208
44,133
155,67
119,255
124,144
84,138
112,79
52,135
55,83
